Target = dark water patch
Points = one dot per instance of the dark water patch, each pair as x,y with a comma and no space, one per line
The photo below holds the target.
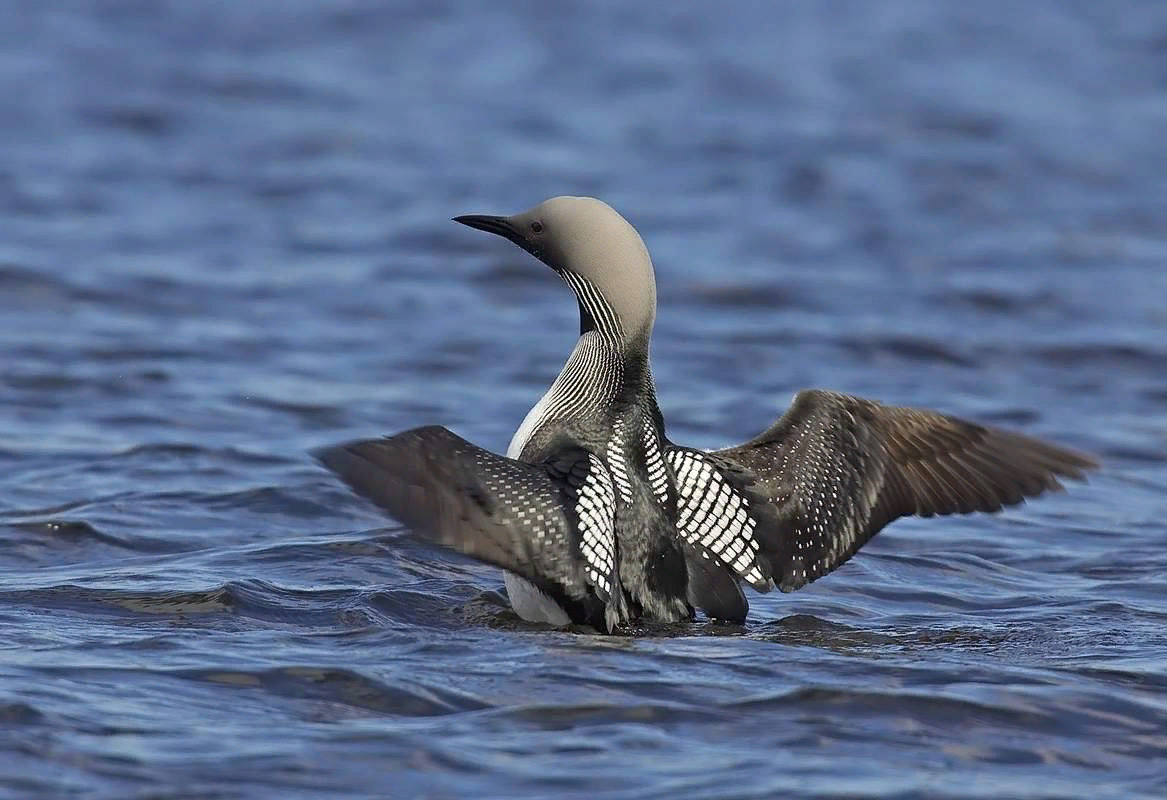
244,88
998,302
1152,682
941,597
50,389
20,714
313,415
317,146
109,602
804,182
308,552
1106,356
958,563
357,311
188,451
253,600
949,122
916,705
439,606
775,340
806,630
502,279
1011,417
24,288
46,206
58,542
151,122
908,349
570,717
1149,452
1031,727
45,381
345,687
461,349
492,609
212,601
264,601
330,244
439,240
67,531
292,189
769,297
1137,565
275,500
1154,395
72,505
134,353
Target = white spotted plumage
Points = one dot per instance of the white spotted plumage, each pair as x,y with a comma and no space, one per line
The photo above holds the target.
595,508
714,517
617,462
658,476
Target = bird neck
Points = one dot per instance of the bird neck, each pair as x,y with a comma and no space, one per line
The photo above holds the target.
623,320
603,377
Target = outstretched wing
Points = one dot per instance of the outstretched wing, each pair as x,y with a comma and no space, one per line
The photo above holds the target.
837,469
552,523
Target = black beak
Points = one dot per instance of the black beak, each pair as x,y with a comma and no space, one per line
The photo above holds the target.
497,225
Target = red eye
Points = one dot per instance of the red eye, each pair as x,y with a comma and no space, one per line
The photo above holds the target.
536,227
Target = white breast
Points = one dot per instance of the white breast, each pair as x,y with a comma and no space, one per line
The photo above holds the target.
528,600
530,424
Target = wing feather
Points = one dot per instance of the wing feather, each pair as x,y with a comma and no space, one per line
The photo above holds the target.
838,468
499,510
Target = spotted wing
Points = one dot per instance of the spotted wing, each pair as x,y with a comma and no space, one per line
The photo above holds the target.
590,492
838,468
715,515
505,512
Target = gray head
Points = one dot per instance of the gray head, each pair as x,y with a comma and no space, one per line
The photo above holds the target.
600,256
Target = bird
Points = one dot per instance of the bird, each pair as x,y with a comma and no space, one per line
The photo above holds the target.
599,519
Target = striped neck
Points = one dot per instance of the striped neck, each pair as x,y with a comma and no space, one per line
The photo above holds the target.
607,371
595,312
586,389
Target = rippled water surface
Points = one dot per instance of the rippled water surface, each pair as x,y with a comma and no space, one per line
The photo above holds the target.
225,240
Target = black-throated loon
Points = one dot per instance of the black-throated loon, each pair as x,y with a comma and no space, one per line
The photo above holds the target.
598,518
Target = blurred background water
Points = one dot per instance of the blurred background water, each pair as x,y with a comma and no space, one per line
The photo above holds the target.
225,239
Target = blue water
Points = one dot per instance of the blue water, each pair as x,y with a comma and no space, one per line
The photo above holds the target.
225,240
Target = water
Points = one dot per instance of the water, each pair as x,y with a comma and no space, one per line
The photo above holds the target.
225,240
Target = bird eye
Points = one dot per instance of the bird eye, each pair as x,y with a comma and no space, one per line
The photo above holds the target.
536,227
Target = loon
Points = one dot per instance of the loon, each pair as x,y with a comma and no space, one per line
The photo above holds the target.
598,518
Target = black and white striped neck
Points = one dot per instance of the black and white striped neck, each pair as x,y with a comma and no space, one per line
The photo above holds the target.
607,371
596,314
601,380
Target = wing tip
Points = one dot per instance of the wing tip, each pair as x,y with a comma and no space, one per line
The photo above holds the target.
327,455
338,459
